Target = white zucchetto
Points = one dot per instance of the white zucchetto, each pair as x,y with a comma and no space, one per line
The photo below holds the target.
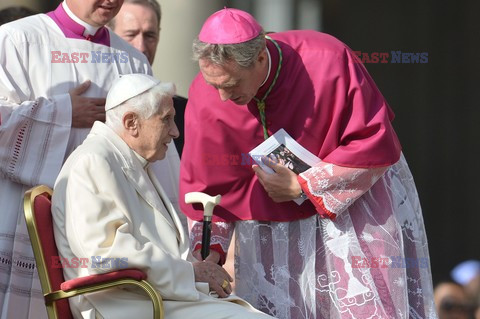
128,86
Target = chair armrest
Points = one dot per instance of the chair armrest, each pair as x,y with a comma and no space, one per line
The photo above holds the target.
105,281
102,278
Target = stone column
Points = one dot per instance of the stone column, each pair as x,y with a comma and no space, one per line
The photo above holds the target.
37,5
281,15
309,15
181,22
275,15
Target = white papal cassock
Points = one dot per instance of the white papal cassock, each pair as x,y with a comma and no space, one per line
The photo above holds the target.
108,205
36,134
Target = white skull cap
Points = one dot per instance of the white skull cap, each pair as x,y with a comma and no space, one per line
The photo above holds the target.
128,86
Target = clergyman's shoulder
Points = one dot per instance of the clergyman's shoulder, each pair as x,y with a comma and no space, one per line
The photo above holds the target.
27,29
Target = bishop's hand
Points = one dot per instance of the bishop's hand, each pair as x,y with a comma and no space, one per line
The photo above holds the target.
213,257
282,185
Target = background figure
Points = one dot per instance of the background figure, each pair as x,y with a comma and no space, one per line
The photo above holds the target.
52,88
451,301
14,13
138,23
361,230
467,274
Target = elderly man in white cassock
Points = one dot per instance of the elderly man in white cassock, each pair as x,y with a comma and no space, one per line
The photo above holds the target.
107,203
55,71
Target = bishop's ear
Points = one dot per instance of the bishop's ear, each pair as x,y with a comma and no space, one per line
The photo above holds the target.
263,56
130,123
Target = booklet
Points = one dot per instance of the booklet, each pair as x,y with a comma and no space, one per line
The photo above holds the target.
283,149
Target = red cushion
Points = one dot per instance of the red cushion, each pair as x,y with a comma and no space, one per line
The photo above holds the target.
43,219
101,278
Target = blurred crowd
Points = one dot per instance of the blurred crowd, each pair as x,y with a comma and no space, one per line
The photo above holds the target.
459,298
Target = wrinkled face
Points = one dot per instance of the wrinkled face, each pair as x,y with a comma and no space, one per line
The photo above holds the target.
156,132
137,24
233,82
95,12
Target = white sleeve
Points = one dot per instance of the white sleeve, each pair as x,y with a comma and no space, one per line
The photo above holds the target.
34,131
96,212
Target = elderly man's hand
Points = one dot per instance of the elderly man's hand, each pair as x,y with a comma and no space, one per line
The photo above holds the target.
86,110
282,185
217,278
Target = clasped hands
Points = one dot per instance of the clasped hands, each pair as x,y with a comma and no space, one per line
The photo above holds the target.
281,186
210,272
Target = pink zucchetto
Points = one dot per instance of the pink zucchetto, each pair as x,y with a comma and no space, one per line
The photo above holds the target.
229,26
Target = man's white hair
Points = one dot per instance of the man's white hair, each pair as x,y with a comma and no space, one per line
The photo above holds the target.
244,54
144,105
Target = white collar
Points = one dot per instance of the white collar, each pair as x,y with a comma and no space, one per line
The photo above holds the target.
89,29
142,160
269,66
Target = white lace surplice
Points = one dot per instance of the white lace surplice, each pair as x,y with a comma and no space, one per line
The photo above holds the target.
371,261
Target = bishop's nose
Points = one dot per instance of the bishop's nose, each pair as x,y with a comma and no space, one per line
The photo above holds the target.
224,94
